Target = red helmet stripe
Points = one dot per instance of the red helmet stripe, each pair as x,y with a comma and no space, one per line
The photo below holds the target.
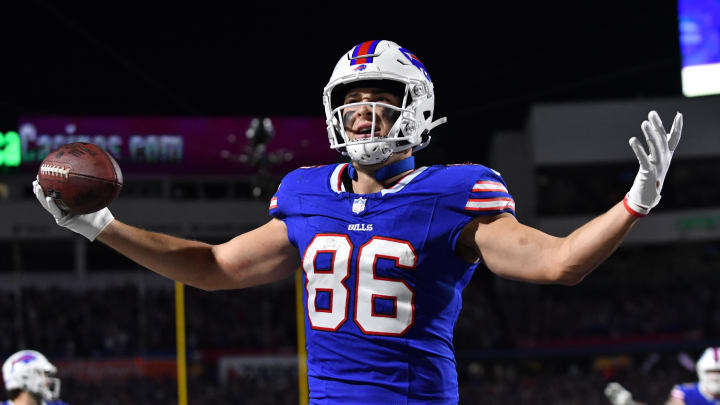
365,48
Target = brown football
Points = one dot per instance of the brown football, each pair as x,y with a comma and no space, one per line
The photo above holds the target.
80,177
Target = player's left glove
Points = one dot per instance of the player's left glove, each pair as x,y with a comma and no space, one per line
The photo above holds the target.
645,191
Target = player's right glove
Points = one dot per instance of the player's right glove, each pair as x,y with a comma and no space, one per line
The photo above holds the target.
87,225
645,191
618,395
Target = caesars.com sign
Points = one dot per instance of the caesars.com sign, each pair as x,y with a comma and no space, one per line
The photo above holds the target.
149,148
197,145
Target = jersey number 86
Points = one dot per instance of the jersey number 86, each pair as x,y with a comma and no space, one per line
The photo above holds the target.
368,286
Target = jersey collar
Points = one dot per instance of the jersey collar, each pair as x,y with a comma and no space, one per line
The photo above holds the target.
336,183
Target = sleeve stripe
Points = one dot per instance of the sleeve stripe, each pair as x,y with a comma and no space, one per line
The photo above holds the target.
273,203
492,186
490,204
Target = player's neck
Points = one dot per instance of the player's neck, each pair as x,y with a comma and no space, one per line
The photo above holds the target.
365,181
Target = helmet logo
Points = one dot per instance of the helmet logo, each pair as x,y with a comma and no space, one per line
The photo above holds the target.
24,359
415,61
360,68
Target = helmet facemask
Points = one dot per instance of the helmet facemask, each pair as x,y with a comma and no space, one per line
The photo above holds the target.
44,385
710,380
391,128
708,370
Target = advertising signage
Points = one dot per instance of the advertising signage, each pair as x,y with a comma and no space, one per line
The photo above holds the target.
176,145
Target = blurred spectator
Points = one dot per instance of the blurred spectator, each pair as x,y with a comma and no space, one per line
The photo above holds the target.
30,379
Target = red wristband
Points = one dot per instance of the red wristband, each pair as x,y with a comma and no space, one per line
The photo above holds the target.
630,210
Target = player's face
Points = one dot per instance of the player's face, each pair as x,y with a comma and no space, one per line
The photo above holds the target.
358,119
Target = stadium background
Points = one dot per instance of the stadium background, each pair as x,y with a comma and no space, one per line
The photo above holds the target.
512,79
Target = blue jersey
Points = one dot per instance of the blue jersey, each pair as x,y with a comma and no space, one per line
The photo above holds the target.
382,284
691,394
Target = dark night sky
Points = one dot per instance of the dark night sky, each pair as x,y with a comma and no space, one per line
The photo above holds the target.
488,61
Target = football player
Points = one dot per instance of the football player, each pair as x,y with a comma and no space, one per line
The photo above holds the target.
707,390
385,247
30,380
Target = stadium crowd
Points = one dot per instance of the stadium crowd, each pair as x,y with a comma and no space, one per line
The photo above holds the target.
625,306
591,189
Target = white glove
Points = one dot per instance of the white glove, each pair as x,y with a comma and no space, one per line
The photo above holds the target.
645,191
618,395
87,225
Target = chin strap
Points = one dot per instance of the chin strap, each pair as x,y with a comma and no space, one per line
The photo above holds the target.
437,122
388,171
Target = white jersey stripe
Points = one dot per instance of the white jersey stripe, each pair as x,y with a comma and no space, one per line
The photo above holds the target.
490,204
273,203
336,183
403,182
492,186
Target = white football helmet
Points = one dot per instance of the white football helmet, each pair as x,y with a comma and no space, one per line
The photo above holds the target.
386,65
30,371
709,361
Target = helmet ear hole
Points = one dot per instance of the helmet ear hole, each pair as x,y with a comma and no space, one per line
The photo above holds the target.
427,114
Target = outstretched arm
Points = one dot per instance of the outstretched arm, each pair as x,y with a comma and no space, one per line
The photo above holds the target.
513,250
516,251
257,257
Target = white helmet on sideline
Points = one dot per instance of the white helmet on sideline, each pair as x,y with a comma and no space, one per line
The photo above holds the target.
709,361
386,65
29,370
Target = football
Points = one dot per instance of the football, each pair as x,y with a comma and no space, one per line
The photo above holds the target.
80,177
